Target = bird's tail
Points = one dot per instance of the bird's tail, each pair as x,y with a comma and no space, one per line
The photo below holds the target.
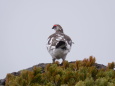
61,44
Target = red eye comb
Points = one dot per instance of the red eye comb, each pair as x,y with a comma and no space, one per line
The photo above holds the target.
55,25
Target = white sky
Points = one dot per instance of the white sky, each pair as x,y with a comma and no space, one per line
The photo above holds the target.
26,24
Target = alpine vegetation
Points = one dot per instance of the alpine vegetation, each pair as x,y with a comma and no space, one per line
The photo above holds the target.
78,73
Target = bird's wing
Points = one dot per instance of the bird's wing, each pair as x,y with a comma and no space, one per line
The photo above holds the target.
56,37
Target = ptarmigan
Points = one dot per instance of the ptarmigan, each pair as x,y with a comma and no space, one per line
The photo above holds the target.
58,44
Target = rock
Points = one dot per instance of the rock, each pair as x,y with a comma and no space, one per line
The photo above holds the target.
100,66
16,73
2,82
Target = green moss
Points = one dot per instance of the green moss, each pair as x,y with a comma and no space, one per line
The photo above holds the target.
79,73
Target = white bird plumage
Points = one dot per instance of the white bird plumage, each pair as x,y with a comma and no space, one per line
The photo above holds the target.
58,44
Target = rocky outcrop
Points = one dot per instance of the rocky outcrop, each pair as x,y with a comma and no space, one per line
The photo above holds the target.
43,65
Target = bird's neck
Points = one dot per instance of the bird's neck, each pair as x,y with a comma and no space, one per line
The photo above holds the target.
59,31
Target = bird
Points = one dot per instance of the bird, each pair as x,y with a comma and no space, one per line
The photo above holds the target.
59,44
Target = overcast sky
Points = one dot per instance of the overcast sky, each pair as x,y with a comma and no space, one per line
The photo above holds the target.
26,24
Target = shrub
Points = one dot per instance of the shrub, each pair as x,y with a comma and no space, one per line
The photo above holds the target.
79,73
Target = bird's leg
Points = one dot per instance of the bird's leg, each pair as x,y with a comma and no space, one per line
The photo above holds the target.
53,60
63,59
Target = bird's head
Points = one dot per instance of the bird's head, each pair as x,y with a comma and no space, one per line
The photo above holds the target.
57,28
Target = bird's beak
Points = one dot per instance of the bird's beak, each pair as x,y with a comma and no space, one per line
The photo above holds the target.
53,27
